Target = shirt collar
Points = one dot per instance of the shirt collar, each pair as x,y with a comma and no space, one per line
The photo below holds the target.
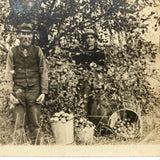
25,52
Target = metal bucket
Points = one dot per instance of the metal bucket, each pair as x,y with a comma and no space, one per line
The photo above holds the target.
63,132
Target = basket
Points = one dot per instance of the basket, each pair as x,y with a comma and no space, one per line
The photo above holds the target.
125,123
63,132
84,134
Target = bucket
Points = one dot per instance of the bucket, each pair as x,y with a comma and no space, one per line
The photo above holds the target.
63,132
125,123
84,135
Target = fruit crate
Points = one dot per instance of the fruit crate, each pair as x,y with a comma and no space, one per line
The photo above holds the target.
125,123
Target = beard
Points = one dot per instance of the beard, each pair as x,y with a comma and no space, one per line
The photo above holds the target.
26,42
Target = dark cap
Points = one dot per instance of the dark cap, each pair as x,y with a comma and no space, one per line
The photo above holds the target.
25,27
89,32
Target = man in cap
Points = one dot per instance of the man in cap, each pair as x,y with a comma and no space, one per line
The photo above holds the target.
91,51
27,75
92,54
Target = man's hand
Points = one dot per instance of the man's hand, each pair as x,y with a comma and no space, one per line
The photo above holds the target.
13,99
40,99
11,106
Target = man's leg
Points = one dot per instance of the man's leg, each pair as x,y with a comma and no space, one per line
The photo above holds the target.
34,112
92,106
34,123
19,115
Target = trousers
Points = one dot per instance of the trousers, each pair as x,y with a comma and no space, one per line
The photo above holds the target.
95,112
27,112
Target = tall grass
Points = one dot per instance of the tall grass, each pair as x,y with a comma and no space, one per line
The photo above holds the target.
150,133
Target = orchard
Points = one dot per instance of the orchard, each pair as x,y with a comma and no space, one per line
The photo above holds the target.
131,59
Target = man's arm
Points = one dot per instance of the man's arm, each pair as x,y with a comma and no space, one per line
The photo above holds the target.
9,71
43,73
9,78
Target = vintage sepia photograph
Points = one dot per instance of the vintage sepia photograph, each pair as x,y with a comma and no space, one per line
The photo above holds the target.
80,75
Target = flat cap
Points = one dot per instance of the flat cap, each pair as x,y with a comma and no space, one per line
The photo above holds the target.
89,32
25,27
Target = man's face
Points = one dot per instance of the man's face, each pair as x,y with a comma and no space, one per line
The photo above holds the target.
90,40
62,42
26,38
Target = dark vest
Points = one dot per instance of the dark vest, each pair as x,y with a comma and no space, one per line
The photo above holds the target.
26,68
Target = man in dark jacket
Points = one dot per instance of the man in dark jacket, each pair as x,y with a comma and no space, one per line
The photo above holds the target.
27,75
91,51
91,54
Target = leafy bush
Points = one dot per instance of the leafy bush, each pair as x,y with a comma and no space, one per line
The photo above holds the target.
121,84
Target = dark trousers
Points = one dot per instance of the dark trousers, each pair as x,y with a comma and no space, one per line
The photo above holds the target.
27,112
94,111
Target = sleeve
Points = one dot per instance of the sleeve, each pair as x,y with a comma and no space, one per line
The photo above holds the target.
9,71
43,73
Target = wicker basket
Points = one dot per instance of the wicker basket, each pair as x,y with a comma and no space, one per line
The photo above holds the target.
84,135
126,115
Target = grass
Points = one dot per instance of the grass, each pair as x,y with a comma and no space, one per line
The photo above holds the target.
151,127
150,133
6,130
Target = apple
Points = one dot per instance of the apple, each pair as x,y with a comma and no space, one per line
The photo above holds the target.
51,119
54,119
81,120
70,117
61,112
63,120
57,114
64,115
76,124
